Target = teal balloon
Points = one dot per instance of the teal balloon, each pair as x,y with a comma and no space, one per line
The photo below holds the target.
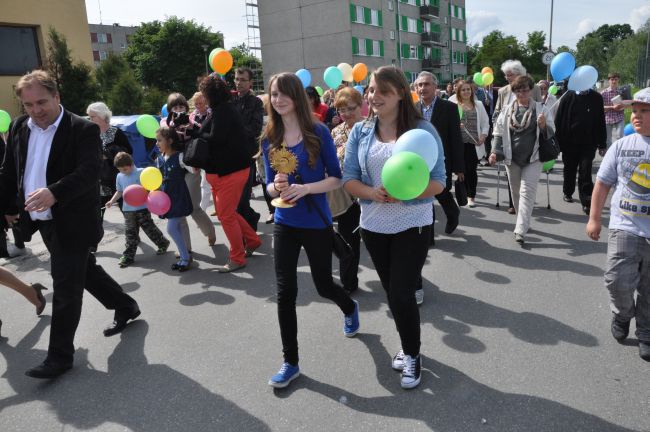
333,76
405,175
5,121
147,125
548,165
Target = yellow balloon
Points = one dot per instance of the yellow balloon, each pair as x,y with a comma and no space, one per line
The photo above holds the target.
488,78
151,178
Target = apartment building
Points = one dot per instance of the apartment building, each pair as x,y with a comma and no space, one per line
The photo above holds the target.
106,39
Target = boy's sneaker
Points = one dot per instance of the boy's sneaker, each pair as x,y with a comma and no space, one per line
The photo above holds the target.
398,361
285,375
125,261
351,321
419,296
411,372
620,329
644,351
162,249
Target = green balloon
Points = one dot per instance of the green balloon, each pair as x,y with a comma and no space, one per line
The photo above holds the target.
405,175
5,121
548,165
478,79
460,111
552,89
319,90
147,125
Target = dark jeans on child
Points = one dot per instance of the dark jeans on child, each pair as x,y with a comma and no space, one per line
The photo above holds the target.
134,220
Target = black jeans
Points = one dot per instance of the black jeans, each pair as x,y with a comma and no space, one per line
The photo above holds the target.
244,207
348,269
577,163
287,242
471,175
398,259
74,269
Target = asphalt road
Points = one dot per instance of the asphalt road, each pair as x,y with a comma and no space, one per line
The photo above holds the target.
513,339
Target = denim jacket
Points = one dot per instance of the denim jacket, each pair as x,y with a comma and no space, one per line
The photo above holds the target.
358,146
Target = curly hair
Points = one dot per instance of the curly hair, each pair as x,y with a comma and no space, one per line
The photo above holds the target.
215,90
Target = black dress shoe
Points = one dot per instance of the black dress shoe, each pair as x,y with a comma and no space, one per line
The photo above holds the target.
451,225
567,198
620,329
47,370
121,319
39,294
644,351
586,209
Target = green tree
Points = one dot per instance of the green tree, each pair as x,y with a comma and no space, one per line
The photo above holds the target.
535,47
598,47
126,96
109,72
154,99
628,59
564,48
243,57
77,85
495,49
169,55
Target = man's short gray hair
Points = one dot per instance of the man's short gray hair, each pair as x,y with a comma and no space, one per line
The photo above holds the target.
101,110
427,74
513,66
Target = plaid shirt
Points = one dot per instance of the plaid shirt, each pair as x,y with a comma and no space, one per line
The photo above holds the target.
612,117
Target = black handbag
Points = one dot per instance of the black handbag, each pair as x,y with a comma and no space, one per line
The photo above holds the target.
548,148
461,192
197,153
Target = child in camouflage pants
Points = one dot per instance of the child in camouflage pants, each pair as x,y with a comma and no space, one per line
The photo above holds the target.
134,217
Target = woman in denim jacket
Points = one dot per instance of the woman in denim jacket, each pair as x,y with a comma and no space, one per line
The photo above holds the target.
396,233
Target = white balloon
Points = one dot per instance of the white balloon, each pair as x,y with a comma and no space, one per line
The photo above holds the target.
420,142
346,70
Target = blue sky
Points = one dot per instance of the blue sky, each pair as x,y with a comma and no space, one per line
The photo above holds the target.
571,18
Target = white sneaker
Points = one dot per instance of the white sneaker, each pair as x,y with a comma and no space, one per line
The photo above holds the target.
398,361
419,296
411,372
471,203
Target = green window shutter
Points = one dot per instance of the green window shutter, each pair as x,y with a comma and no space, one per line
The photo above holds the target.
381,48
355,46
406,51
418,2
353,13
380,18
366,16
449,6
405,23
435,28
420,26
369,47
462,11
420,52
456,14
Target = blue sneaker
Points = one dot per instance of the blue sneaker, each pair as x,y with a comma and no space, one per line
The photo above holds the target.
285,375
351,322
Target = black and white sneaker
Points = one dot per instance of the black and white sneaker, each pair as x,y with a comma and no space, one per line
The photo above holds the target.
398,361
411,372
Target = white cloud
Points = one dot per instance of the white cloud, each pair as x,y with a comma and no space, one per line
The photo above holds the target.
585,26
639,16
480,24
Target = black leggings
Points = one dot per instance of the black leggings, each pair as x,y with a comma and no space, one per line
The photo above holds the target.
398,259
287,242
471,175
348,269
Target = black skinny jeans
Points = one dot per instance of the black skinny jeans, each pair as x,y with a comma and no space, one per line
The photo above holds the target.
398,259
348,269
287,242
578,163
471,175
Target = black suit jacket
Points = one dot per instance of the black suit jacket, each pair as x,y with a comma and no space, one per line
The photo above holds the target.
446,120
72,176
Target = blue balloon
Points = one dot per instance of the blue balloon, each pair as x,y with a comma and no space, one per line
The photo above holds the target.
629,129
562,66
359,88
583,78
421,142
164,111
305,77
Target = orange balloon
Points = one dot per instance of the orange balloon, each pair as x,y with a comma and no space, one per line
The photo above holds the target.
415,97
487,69
359,72
221,62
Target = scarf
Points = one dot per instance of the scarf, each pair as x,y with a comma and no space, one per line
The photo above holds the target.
525,120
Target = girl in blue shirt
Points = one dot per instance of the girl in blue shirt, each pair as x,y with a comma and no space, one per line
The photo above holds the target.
292,127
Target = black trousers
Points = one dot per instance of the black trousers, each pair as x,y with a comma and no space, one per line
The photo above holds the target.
579,163
471,174
73,269
244,207
348,269
447,202
287,242
398,259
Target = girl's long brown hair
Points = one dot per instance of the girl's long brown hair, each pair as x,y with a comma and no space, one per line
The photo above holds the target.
391,79
291,86
458,97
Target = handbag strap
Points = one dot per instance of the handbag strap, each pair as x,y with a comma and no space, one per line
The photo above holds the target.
310,203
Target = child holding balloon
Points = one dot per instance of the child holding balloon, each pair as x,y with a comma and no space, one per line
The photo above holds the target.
170,163
136,214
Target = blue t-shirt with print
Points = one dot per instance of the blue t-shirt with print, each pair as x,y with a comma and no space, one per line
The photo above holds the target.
626,165
123,181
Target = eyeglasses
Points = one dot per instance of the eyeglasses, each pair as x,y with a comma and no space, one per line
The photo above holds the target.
347,110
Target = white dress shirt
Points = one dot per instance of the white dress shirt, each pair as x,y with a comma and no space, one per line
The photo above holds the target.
38,153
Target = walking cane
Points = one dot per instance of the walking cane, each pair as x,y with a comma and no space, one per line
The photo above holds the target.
498,182
548,193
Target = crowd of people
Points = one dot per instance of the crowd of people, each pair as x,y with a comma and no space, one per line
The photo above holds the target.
319,161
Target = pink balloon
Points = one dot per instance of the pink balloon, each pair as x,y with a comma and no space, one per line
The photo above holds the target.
158,202
135,195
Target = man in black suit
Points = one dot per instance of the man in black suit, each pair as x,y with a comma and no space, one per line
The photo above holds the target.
444,117
49,181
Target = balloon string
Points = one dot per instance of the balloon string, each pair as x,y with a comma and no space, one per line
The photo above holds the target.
557,101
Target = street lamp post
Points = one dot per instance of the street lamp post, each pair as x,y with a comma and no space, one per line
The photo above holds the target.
205,53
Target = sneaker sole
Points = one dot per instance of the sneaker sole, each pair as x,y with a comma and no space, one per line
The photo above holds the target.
397,368
411,385
285,383
351,334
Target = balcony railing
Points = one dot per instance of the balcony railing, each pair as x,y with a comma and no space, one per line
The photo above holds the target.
430,63
429,12
430,38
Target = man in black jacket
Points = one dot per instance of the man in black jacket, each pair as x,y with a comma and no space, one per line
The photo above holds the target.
252,111
49,181
444,117
580,130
